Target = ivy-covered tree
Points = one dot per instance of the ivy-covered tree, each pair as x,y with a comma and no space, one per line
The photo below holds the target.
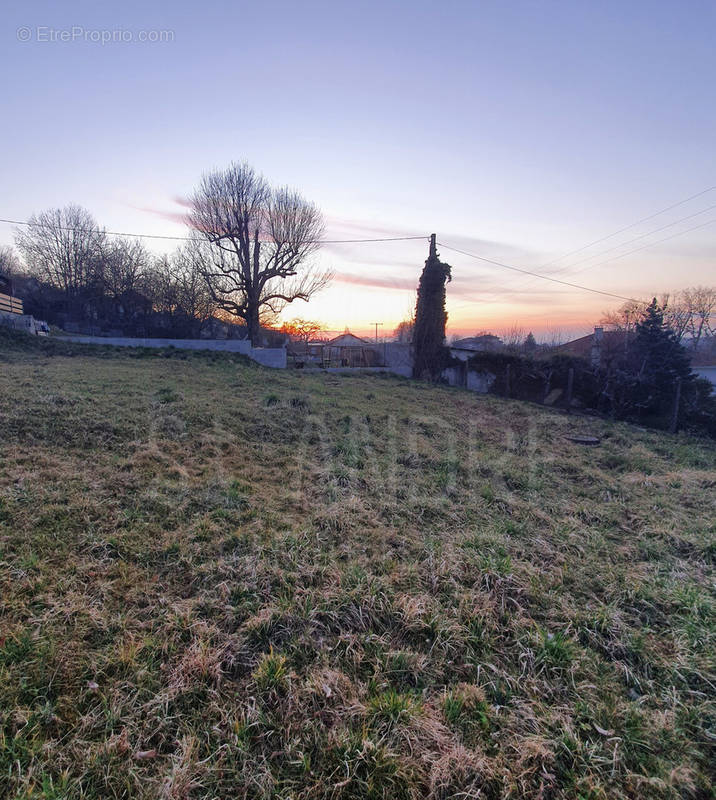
430,355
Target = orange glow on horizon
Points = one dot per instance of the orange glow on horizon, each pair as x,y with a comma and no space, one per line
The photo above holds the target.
356,307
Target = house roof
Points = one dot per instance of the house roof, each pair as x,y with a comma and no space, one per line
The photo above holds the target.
485,341
611,341
349,339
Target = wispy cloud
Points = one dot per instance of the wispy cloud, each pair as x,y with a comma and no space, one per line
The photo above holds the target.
179,217
376,281
472,289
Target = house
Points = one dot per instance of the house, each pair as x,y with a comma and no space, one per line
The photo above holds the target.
480,343
349,350
348,339
600,347
345,350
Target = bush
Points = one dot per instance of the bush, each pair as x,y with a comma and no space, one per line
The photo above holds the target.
532,378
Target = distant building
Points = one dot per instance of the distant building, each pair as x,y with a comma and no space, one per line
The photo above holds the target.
348,339
349,350
481,343
345,350
600,347
465,349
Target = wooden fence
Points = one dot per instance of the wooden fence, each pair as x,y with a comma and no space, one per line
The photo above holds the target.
11,305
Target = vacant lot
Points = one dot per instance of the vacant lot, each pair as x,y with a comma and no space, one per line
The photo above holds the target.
222,581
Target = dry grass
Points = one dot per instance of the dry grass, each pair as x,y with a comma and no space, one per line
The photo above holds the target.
222,581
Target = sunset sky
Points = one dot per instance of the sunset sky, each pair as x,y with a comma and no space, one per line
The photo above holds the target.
518,131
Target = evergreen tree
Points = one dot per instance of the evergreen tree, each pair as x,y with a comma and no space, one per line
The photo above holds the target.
657,361
530,343
430,354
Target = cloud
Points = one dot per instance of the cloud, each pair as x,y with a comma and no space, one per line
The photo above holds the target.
478,289
179,217
376,281
340,227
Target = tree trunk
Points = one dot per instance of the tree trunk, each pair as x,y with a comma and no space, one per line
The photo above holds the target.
252,323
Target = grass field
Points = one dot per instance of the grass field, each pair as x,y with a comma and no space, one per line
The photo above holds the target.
224,581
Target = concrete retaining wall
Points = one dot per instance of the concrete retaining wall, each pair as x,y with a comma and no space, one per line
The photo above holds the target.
24,322
398,358
274,357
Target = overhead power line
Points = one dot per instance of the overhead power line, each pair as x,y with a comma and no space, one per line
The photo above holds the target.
95,230
658,241
616,257
630,226
636,239
536,274
191,239
566,268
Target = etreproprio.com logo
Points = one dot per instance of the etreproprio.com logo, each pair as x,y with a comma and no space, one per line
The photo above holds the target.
78,33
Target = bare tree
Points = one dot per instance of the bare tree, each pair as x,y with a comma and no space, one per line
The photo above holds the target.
701,303
302,330
160,286
403,332
123,266
677,314
625,317
689,312
513,338
63,248
178,291
259,242
552,339
9,262
193,295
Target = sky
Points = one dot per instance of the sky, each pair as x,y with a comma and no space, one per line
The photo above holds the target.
516,131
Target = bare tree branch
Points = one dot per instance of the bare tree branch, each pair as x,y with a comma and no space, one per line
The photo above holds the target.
257,244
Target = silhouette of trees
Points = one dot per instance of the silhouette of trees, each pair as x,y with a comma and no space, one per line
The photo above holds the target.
9,262
302,330
79,275
624,318
689,313
642,384
179,292
700,302
403,332
63,248
258,240
122,267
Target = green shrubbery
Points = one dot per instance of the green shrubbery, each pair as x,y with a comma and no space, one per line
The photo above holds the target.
640,386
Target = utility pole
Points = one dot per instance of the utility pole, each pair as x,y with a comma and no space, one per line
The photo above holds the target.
376,329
